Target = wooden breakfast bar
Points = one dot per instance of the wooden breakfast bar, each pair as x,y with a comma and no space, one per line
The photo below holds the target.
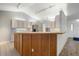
36,43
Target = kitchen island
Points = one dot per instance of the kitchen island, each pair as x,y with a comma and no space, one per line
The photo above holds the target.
36,43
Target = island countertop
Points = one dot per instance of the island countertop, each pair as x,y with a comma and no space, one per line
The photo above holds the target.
40,32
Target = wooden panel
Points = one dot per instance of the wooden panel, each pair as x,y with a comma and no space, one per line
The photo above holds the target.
36,44
53,44
45,45
20,43
15,41
26,44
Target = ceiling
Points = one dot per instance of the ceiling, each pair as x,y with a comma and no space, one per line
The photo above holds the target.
73,8
73,11
35,10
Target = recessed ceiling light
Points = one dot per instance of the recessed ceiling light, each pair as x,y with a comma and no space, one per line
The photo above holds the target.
77,20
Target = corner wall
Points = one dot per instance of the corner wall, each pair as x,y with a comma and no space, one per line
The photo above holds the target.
62,38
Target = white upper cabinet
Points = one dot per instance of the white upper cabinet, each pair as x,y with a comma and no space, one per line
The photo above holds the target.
19,24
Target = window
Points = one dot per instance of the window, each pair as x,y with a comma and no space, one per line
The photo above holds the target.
72,27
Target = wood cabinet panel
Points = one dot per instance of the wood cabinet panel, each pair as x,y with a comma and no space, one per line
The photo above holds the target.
26,44
45,45
36,44
20,44
15,41
53,44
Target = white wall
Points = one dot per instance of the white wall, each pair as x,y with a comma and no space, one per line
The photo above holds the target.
4,29
62,38
5,24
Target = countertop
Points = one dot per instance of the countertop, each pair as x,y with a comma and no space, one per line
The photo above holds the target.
41,32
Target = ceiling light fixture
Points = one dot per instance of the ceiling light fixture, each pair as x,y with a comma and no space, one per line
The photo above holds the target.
77,20
18,5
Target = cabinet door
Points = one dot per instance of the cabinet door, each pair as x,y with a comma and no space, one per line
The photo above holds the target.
14,23
36,44
26,44
45,45
53,44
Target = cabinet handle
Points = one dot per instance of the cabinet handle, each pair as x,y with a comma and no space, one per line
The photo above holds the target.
32,50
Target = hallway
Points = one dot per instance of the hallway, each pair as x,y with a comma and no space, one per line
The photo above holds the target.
71,48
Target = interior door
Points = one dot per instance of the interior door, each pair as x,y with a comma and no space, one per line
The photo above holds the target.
27,44
36,44
45,45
